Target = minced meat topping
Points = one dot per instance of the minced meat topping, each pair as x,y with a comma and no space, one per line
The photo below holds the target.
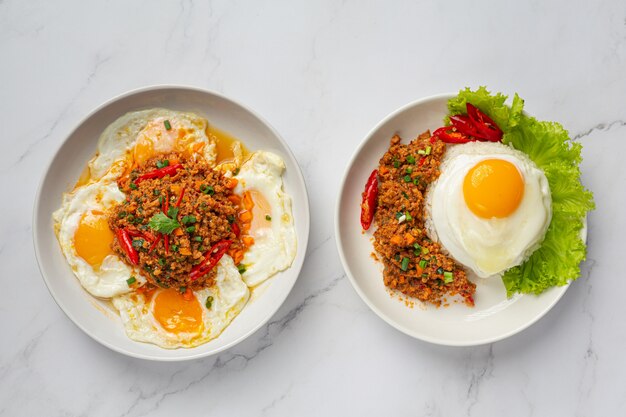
173,234
413,264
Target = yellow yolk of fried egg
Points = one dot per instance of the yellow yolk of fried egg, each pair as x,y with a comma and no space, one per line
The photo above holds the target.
271,227
139,136
85,238
165,318
490,207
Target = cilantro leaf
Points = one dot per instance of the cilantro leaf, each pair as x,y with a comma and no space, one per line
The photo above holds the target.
163,224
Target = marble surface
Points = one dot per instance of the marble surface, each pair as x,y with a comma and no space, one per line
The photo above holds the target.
323,73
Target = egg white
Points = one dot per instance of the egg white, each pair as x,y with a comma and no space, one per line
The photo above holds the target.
487,246
121,136
274,247
230,294
110,279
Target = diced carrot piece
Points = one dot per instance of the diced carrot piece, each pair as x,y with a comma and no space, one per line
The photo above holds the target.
383,169
176,188
396,240
185,251
235,199
246,216
409,238
230,182
248,203
178,231
419,270
188,295
247,240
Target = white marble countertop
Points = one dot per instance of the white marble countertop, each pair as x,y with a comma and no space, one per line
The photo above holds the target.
323,73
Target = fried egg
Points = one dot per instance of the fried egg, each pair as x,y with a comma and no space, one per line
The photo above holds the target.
138,136
166,319
490,207
271,226
85,238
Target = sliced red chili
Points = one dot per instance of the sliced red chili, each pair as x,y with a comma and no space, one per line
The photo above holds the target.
369,200
487,128
159,173
155,243
166,243
448,135
180,198
211,258
464,124
235,228
126,244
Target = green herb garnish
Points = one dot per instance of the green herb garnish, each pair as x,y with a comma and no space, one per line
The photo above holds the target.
405,264
131,280
163,224
167,124
162,164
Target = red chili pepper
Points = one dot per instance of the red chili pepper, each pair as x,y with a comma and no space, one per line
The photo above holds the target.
180,198
146,235
156,242
370,200
235,228
421,162
211,258
127,245
159,173
166,243
465,125
487,128
448,135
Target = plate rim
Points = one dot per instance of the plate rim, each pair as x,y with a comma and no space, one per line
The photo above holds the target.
385,317
302,245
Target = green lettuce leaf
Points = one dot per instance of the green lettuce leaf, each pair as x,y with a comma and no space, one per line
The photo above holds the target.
557,261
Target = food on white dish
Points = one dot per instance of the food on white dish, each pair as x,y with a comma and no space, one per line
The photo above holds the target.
489,208
161,224
503,198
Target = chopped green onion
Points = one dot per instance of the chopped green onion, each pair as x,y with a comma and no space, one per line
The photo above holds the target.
410,159
409,170
230,218
174,248
133,186
421,152
182,289
236,171
190,229
407,178
447,277
207,189
416,181
428,149
156,192
405,264
425,251
423,264
397,257
396,163
405,195
131,280
189,219
138,243
440,270
162,164
425,275
268,217
122,214
241,269
398,215
197,238
167,124
162,261
408,217
209,301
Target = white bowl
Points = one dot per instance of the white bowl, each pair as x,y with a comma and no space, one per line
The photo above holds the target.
97,318
494,317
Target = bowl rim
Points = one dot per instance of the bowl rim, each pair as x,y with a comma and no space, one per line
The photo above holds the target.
385,317
302,246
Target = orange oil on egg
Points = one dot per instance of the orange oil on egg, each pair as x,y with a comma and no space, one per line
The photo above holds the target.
493,188
175,314
93,238
224,143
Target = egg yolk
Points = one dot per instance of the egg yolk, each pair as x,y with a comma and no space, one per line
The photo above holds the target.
175,314
93,238
493,188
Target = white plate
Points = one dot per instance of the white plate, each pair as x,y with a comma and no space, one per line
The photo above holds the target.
97,318
493,318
